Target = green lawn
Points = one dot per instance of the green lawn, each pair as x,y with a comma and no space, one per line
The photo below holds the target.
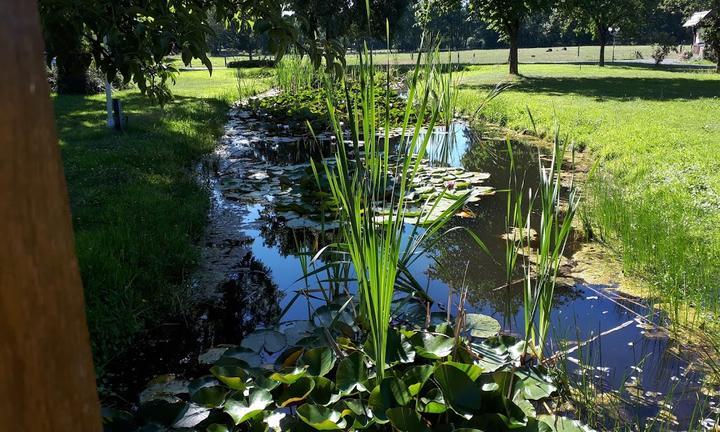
526,55
656,135
137,207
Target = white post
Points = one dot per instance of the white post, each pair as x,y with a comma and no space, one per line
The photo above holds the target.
108,96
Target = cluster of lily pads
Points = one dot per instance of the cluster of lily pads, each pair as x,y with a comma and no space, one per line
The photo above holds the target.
319,374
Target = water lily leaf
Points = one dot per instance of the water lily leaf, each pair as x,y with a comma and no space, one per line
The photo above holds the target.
164,387
431,346
288,375
234,377
207,392
321,418
471,370
415,378
381,399
162,411
296,392
212,355
481,326
533,385
433,402
459,391
115,420
191,416
324,392
264,339
294,331
406,419
352,373
398,348
563,424
241,411
240,356
319,361
216,427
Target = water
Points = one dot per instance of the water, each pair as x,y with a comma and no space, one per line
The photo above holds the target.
251,271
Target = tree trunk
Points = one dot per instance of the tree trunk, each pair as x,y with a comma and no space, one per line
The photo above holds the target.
602,38
513,32
47,382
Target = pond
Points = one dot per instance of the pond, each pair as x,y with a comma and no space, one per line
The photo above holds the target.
254,254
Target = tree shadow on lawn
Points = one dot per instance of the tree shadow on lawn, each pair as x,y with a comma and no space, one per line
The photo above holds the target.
617,88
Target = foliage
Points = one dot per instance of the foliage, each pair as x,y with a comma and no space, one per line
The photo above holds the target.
506,17
322,379
661,50
257,63
597,16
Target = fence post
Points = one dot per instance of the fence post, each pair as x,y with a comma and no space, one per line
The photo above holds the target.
47,381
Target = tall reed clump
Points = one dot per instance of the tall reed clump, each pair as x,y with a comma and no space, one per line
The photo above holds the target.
294,73
371,181
556,214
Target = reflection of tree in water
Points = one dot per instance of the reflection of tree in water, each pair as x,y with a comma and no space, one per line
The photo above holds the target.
289,241
250,299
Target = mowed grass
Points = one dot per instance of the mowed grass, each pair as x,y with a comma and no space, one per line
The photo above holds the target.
587,53
655,134
138,209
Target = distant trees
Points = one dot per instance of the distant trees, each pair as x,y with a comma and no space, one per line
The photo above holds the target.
597,16
507,17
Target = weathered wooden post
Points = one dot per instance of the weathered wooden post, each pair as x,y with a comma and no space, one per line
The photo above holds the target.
47,382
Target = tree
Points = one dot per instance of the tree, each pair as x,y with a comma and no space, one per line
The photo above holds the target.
597,16
507,17
710,24
133,38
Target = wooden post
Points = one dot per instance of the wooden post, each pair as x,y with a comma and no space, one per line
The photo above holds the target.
47,382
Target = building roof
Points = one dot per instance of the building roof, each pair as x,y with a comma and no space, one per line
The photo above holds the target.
696,18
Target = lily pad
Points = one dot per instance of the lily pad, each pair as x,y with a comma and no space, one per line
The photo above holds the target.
321,418
481,326
241,410
264,339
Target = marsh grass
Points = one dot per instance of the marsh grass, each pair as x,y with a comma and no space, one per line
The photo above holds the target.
294,73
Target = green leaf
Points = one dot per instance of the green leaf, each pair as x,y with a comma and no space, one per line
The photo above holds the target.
324,392
264,339
239,356
241,411
533,385
321,418
481,326
433,402
406,419
471,370
296,392
215,427
352,373
234,377
319,361
563,424
381,399
415,378
459,391
288,375
432,347
207,392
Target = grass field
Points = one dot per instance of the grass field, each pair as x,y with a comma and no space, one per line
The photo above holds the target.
656,136
137,207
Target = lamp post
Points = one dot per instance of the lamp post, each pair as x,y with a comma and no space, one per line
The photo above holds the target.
613,31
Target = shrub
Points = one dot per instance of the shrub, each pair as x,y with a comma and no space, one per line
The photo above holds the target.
257,63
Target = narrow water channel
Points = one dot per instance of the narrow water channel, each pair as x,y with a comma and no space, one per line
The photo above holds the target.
252,267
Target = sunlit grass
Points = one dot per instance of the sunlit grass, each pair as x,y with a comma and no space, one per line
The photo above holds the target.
655,133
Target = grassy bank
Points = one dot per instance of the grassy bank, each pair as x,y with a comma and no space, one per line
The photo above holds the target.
655,134
137,207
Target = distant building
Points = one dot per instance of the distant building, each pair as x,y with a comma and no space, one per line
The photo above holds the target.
695,22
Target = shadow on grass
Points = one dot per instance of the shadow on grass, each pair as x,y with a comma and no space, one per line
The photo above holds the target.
617,88
137,208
